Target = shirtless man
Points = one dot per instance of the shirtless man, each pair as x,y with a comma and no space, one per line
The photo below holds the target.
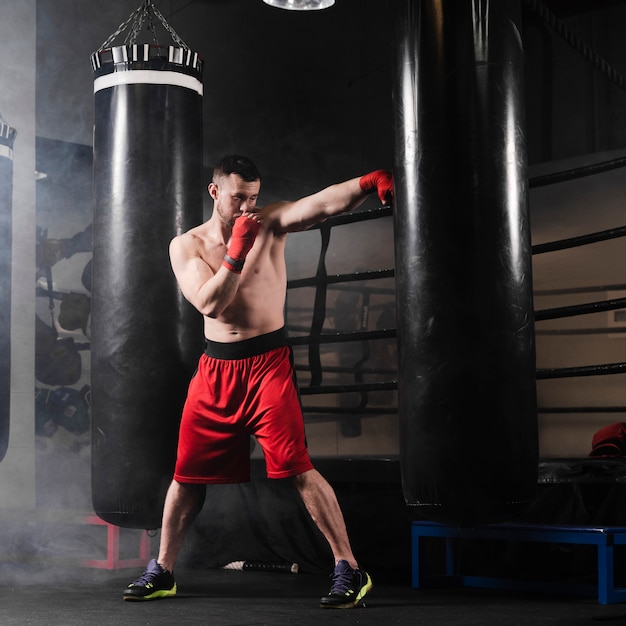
232,269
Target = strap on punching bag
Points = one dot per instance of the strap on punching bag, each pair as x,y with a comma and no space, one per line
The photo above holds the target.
7,137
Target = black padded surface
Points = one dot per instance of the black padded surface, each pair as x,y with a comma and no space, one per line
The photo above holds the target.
45,594
582,470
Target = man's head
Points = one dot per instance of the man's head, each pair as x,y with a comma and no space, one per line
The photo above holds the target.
235,187
236,164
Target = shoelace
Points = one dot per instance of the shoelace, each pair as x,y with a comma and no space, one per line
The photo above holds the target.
342,581
147,578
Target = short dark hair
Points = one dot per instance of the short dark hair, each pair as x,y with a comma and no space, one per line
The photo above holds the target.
237,164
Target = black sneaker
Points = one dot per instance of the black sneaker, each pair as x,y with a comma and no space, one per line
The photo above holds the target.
155,582
349,588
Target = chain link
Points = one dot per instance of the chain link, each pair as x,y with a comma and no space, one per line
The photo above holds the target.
580,46
146,11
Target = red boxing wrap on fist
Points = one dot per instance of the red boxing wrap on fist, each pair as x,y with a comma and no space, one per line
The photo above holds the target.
380,181
244,233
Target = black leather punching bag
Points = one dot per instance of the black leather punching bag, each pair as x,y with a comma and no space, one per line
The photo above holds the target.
7,137
467,397
146,338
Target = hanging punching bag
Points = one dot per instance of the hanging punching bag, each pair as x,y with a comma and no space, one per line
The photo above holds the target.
7,137
146,338
466,389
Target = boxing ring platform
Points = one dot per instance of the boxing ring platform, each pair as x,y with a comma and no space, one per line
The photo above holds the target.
578,506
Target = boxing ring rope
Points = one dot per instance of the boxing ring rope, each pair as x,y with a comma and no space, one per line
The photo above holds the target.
585,308
600,306
579,172
580,309
317,338
324,282
604,369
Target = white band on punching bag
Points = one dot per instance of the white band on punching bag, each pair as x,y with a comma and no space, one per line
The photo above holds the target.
151,77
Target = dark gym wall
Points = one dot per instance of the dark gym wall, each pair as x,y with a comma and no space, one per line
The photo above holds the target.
308,93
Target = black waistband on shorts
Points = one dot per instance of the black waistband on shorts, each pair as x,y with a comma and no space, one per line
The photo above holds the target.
247,347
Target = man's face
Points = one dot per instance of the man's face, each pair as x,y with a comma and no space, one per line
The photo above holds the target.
234,196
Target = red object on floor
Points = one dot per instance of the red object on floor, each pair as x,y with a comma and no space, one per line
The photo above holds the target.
113,560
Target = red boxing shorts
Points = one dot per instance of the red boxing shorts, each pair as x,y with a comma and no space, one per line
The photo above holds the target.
241,389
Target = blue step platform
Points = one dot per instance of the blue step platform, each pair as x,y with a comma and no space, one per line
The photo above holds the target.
604,538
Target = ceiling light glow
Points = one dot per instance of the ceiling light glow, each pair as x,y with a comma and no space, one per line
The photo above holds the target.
300,5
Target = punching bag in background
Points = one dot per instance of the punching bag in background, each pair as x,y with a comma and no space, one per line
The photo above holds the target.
146,338
7,137
466,390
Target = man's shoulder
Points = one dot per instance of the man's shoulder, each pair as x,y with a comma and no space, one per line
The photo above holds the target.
195,234
189,243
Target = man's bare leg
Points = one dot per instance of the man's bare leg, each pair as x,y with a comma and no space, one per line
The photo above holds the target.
183,502
321,502
350,583
182,505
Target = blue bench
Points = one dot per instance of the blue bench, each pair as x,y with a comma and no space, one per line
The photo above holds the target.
605,538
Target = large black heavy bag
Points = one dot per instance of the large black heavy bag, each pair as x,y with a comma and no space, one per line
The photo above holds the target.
467,397
7,138
145,337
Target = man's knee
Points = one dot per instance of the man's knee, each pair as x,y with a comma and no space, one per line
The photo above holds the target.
189,492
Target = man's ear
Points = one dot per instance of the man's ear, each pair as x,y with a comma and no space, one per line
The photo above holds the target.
213,190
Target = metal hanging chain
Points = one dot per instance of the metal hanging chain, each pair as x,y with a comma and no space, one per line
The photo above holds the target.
144,12
580,46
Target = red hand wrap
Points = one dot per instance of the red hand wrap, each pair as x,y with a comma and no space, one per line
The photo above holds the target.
244,233
380,181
